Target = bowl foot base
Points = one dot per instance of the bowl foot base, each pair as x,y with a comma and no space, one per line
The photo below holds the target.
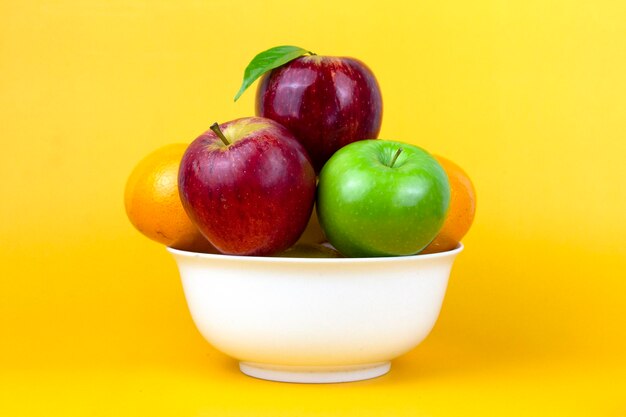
314,374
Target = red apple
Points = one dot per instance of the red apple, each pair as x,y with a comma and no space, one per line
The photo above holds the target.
248,185
327,102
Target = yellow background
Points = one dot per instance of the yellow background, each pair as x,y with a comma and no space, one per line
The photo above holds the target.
528,96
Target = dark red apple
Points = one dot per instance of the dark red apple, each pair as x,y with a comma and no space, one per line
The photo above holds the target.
327,102
248,185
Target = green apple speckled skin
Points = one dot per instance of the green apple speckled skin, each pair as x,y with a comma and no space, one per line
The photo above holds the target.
369,208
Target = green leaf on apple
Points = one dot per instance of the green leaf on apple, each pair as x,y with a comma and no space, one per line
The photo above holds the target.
268,60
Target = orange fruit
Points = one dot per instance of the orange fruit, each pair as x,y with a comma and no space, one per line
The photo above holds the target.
153,204
460,212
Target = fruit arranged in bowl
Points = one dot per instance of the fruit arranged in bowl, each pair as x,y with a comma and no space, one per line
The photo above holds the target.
309,249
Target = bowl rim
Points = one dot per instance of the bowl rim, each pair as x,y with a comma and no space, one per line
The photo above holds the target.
282,260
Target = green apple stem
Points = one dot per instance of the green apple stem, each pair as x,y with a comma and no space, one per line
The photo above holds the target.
395,156
216,128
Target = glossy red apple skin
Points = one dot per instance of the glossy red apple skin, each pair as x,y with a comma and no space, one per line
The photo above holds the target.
327,102
253,197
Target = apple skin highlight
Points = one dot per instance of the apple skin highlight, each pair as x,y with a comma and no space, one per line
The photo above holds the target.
327,102
253,196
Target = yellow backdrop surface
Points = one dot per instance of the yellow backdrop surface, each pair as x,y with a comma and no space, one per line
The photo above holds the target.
528,96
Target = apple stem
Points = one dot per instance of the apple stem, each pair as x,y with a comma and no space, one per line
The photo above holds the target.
395,156
216,128
311,53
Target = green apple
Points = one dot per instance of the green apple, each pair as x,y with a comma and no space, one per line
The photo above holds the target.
382,198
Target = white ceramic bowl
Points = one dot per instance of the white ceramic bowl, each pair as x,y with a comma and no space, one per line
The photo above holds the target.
310,319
